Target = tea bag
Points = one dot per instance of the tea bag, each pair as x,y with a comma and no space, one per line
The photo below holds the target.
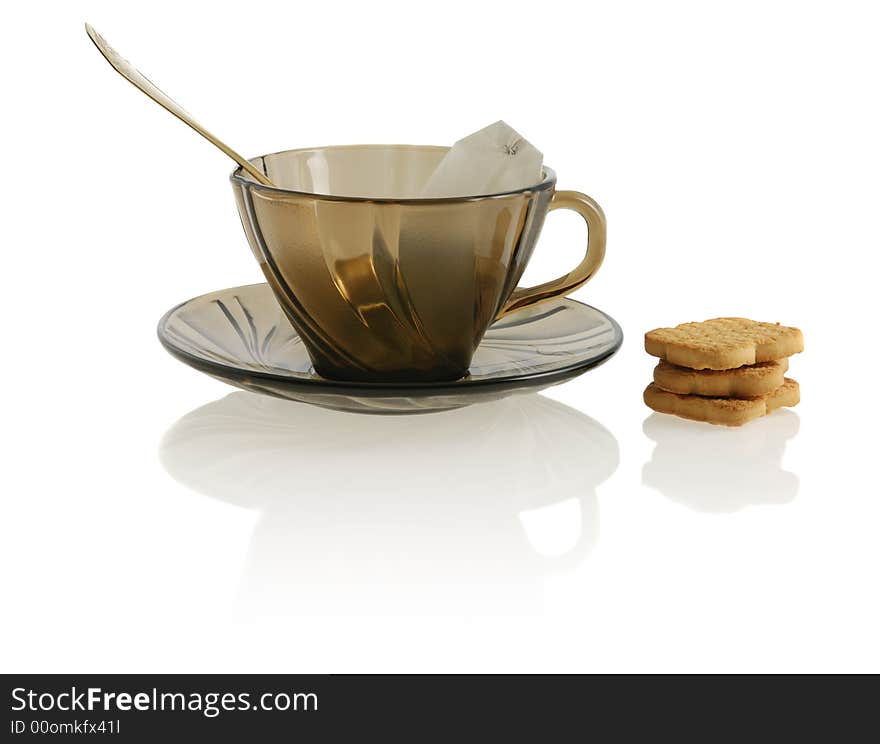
494,160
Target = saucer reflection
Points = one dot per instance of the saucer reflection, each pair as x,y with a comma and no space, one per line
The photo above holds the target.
462,512
719,469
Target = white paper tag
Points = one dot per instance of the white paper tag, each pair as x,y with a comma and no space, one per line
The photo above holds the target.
492,161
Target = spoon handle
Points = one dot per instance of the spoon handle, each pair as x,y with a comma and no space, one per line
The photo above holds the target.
130,73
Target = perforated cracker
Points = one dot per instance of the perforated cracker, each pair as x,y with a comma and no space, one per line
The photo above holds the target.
724,411
748,381
723,343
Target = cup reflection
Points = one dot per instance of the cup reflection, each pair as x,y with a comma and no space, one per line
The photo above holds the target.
462,512
720,469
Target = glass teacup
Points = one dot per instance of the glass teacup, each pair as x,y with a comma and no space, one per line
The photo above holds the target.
382,285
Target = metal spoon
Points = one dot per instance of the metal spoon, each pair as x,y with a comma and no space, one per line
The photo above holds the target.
128,71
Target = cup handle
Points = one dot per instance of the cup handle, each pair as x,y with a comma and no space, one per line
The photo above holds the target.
523,297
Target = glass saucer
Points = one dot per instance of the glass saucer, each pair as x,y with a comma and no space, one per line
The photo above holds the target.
241,336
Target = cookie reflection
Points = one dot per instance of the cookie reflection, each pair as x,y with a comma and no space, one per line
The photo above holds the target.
461,512
720,469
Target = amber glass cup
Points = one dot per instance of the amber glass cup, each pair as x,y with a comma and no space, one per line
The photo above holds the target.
382,285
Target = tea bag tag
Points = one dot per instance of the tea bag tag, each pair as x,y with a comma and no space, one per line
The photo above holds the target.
492,161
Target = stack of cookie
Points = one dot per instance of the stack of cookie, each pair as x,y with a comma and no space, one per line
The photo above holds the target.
724,371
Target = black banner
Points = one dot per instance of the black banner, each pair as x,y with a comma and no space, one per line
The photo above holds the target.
150,708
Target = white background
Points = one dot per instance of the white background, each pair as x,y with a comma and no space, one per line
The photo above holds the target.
734,148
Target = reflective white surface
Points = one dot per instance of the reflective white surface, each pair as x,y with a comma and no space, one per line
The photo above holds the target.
720,469
462,512
155,520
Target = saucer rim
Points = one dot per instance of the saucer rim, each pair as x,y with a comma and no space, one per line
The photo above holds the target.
384,389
